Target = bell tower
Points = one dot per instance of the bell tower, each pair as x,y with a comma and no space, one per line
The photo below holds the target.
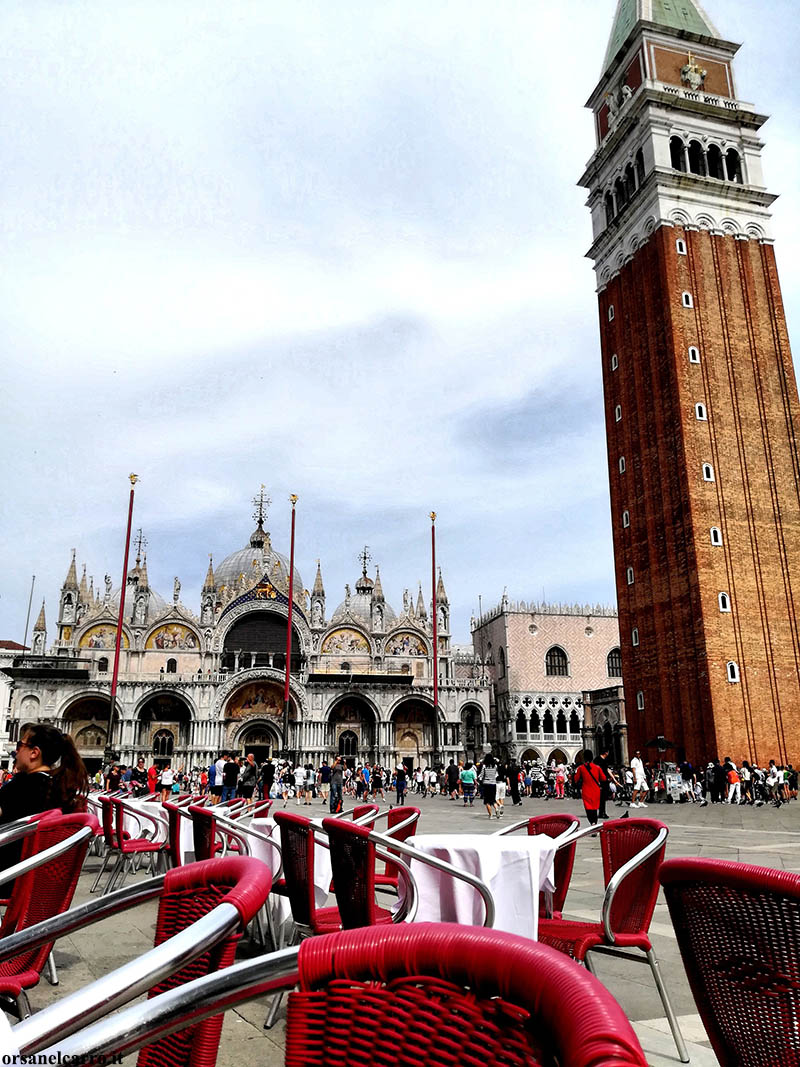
701,401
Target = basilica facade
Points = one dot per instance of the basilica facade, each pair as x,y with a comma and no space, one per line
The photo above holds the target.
193,683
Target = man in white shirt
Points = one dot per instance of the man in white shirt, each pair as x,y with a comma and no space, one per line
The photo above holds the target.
639,782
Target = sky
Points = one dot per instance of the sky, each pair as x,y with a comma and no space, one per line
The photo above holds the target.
336,248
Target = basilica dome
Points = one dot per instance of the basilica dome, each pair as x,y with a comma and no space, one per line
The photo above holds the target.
359,605
254,561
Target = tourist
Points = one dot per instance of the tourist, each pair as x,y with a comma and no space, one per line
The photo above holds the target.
401,784
247,779
230,778
451,778
376,783
49,774
467,777
337,785
640,789
513,773
166,781
489,779
589,778
139,778
603,761
324,780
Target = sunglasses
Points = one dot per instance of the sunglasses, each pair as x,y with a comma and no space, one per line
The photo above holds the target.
25,744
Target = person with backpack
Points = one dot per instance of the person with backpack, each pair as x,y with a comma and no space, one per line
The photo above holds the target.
589,778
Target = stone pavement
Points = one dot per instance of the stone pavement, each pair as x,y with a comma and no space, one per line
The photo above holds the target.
764,836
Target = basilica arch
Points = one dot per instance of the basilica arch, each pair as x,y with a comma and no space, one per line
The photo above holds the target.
259,735
415,732
163,726
85,719
258,628
352,722
473,731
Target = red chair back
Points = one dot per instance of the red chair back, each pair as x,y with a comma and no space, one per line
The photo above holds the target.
446,989
360,810
190,892
394,817
635,901
353,868
108,821
297,847
174,819
553,826
738,930
204,832
45,891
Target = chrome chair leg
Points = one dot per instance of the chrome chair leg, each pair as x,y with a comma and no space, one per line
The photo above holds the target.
52,973
101,872
23,1005
668,1009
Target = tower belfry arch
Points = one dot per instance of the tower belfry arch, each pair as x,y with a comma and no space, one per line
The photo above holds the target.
700,395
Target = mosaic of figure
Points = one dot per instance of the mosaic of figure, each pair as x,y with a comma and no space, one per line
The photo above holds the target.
102,637
345,641
257,697
172,636
405,644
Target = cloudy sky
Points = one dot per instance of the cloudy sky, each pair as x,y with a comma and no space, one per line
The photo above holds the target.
334,246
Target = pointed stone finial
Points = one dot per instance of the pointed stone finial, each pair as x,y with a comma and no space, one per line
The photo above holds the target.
377,592
84,586
210,584
41,622
71,581
421,611
441,593
143,579
319,588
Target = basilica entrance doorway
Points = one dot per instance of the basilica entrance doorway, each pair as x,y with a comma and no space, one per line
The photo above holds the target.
414,734
352,724
86,721
163,728
260,738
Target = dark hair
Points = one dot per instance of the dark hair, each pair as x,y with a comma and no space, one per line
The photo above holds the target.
588,755
489,760
70,779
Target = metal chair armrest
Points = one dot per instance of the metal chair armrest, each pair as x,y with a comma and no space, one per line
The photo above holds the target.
409,901
142,1024
440,865
127,982
24,866
138,814
392,830
511,828
619,877
82,915
17,831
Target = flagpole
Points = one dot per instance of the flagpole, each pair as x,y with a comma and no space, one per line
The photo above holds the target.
293,499
437,753
118,644
28,617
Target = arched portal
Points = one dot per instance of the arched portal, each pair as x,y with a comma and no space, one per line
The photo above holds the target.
258,705
86,720
558,755
529,755
260,737
414,733
472,733
258,639
353,716
162,717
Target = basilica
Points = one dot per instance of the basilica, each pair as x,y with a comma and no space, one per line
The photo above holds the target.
192,683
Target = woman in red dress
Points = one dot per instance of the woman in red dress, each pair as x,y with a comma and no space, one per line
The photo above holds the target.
589,776
152,779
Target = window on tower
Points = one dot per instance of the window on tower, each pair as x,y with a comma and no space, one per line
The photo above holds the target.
694,354
640,166
621,464
676,154
687,300
714,158
700,413
618,413
716,536
680,244
708,472
630,181
697,158
733,165
609,201
610,312
640,700
620,194
626,519
635,637
733,671
724,602
629,575
614,362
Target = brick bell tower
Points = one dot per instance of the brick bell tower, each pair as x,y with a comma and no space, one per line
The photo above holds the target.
701,401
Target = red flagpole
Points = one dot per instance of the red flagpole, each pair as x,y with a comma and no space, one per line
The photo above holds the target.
435,636
109,741
293,499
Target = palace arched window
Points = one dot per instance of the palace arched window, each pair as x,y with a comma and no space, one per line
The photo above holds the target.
522,722
348,744
172,666
561,722
501,659
556,662
614,663
547,722
574,723
536,724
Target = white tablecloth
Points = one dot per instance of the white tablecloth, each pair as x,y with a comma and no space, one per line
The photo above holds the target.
515,868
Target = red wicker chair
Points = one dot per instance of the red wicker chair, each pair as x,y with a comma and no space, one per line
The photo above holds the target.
298,845
130,850
40,894
203,909
353,865
738,929
633,850
401,824
554,826
444,994
176,813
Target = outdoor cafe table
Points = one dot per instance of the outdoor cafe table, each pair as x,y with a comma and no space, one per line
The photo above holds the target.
515,868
